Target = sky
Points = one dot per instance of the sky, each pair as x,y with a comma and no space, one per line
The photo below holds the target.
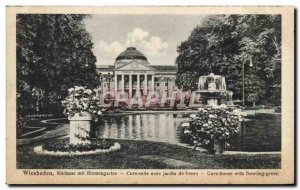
156,36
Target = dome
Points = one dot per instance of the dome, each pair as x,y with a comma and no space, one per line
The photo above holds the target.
131,53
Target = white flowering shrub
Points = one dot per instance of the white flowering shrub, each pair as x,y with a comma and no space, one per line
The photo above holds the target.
218,124
82,100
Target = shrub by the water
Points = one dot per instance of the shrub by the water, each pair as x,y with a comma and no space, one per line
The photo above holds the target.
212,125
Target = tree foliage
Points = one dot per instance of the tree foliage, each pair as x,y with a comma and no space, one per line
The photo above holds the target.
53,54
223,43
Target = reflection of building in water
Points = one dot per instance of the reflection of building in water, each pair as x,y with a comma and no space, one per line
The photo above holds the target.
154,127
133,73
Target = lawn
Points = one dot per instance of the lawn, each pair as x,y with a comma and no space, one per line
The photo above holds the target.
145,155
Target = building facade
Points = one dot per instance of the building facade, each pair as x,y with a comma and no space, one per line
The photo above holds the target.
132,73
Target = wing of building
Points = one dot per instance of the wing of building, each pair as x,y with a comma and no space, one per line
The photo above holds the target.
133,73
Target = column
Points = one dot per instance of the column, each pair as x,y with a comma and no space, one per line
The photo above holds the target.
152,78
171,86
160,83
116,83
130,85
123,83
145,87
138,83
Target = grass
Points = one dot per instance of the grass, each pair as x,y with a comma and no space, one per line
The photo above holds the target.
37,124
130,157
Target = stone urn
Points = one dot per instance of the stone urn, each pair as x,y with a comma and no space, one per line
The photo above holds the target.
80,126
219,147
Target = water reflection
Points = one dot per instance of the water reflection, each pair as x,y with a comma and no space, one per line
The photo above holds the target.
255,135
155,127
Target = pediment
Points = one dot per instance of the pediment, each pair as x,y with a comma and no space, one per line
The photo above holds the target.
135,66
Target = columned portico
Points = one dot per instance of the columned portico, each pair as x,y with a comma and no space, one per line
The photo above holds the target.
132,73
134,82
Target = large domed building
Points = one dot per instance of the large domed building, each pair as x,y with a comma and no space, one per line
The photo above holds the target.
131,53
133,73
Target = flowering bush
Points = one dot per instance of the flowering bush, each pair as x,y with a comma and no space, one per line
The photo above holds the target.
213,125
81,100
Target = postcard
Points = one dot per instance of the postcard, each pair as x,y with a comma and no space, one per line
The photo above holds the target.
150,95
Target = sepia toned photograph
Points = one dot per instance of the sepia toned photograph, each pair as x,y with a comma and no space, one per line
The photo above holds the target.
149,95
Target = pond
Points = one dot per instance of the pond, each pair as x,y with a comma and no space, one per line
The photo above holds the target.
258,134
162,127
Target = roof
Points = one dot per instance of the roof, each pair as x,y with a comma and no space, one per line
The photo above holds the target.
131,53
165,68
159,68
103,68
138,65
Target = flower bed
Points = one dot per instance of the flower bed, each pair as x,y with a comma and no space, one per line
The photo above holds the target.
81,107
63,148
212,128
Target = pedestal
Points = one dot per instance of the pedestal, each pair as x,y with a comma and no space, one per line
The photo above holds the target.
212,102
80,126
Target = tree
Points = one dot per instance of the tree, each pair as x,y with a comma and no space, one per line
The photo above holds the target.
221,44
252,98
54,53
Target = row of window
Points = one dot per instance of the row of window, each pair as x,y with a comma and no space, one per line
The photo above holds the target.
157,84
156,79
